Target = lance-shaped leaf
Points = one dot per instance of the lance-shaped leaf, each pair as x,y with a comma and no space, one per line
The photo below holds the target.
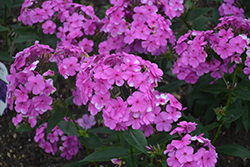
107,154
234,150
136,138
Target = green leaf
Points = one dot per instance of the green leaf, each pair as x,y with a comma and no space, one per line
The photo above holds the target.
17,3
136,138
57,116
107,154
195,13
246,117
161,139
2,28
200,23
4,56
29,38
241,93
67,128
234,150
101,130
111,138
23,128
171,86
215,88
209,127
233,115
93,141
8,3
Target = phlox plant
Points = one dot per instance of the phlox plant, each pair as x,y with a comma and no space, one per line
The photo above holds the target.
118,80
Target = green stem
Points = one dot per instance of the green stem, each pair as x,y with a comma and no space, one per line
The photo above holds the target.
217,133
223,78
189,27
92,161
70,114
132,155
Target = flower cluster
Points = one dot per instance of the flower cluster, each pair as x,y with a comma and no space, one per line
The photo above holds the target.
70,144
122,87
78,20
209,51
30,84
230,7
181,153
140,26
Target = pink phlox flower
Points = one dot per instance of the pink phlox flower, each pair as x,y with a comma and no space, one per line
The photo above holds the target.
162,122
16,120
186,140
161,38
148,130
53,137
114,75
226,35
169,11
141,32
141,13
192,78
116,17
21,95
135,120
71,65
173,113
186,127
131,63
133,78
104,48
137,102
86,44
198,138
100,100
102,86
110,117
162,99
150,44
47,7
120,106
129,38
87,121
32,122
185,154
77,97
190,164
174,102
49,88
173,160
238,43
22,107
100,71
177,5
42,102
35,84
147,118
49,27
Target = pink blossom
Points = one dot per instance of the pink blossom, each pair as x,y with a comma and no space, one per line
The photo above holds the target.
49,27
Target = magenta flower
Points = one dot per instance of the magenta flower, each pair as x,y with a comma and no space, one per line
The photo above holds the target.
35,84
42,102
185,154
162,122
16,120
87,121
172,160
21,95
137,101
49,27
